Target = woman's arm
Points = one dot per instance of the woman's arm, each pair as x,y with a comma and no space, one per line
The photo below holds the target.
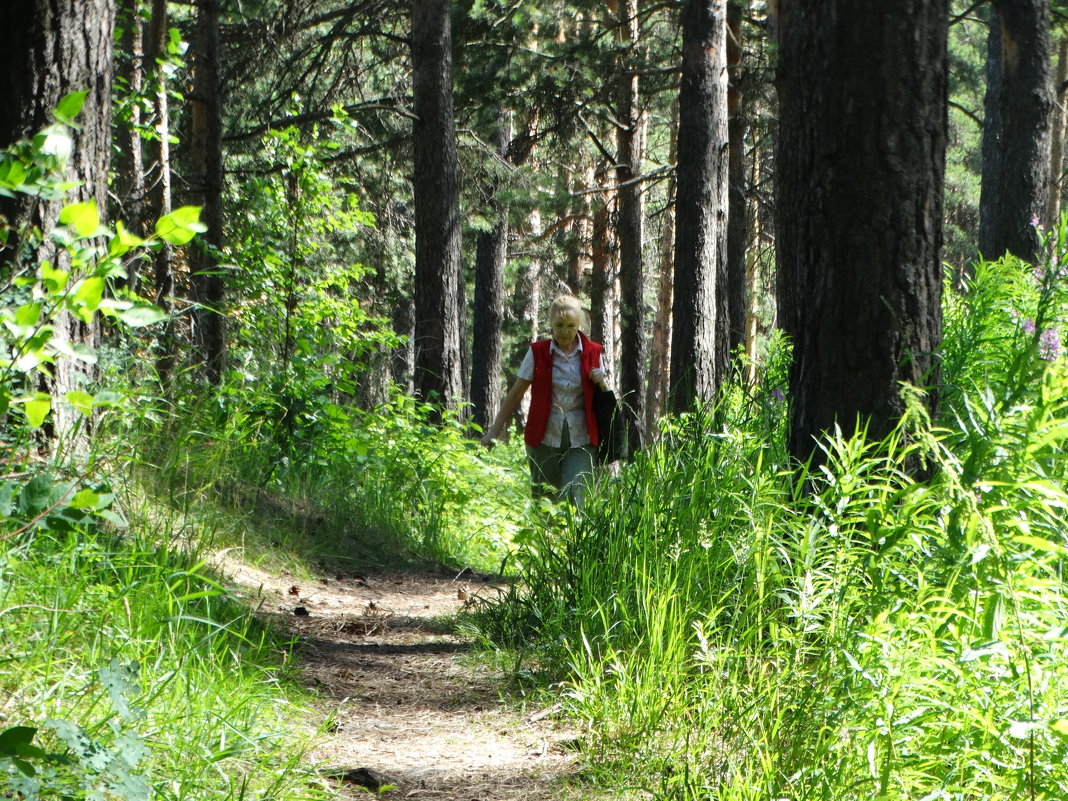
508,406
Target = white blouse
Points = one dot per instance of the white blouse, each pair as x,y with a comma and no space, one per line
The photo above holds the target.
568,402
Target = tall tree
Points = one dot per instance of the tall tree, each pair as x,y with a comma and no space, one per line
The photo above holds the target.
1056,148
490,256
1017,128
660,357
737,197
54,48
439,293
633,345
160,194
860,166
205,190
699,339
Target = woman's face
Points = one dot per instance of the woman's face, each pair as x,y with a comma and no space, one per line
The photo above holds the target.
565,326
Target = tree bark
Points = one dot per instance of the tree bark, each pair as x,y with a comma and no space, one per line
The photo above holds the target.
603,272
1060,120
1017,129
633,343
132,167
160,191
55,47
438,270
205,190
737,197
860,169
700,328
660,355
491,256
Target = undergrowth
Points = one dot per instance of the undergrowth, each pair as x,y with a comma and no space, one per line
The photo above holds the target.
725,635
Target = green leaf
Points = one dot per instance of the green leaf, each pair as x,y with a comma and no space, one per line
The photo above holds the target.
14,738
181,225
82,401
28,315
84,499
37,410
53,279
142,315
1041,544
82,217
1060,727
39,493
70,106
107,400
124,241
89,294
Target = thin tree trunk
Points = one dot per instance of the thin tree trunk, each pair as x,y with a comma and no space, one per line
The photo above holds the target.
1060,120
634,345
439,290
206,185
160,191
527,303
737,215
700,327
660,355
1017,128
603,274
490,259
132,169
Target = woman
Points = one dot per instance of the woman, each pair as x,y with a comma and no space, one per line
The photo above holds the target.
561,432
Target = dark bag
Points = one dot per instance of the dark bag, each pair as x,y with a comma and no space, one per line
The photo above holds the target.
611,425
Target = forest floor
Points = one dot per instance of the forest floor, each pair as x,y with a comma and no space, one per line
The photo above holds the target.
404,702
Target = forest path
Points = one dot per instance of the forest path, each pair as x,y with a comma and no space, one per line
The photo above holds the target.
409,708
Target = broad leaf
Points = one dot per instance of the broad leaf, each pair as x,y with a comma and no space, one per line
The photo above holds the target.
82,401
70,106
36,411
88,295
82,217
142,315
181,225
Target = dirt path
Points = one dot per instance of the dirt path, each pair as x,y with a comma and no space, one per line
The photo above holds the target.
410,708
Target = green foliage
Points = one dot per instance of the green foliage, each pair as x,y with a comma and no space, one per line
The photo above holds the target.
76,270
722,636
131,672
303,322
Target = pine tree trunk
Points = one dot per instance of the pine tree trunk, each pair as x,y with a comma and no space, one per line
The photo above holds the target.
1017,129
132,166
737,197
660,350
439,292
860,168
490,258
699,349
633,343
55,47
206,185
160,191
1060,120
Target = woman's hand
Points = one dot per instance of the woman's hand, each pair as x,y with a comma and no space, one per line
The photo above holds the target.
489,440
598,376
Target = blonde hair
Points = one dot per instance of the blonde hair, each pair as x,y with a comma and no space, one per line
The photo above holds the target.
562,304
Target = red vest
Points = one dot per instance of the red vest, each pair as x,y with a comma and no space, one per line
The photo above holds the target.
541,389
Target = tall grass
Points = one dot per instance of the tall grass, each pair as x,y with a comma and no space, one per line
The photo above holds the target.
208,709
725,637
